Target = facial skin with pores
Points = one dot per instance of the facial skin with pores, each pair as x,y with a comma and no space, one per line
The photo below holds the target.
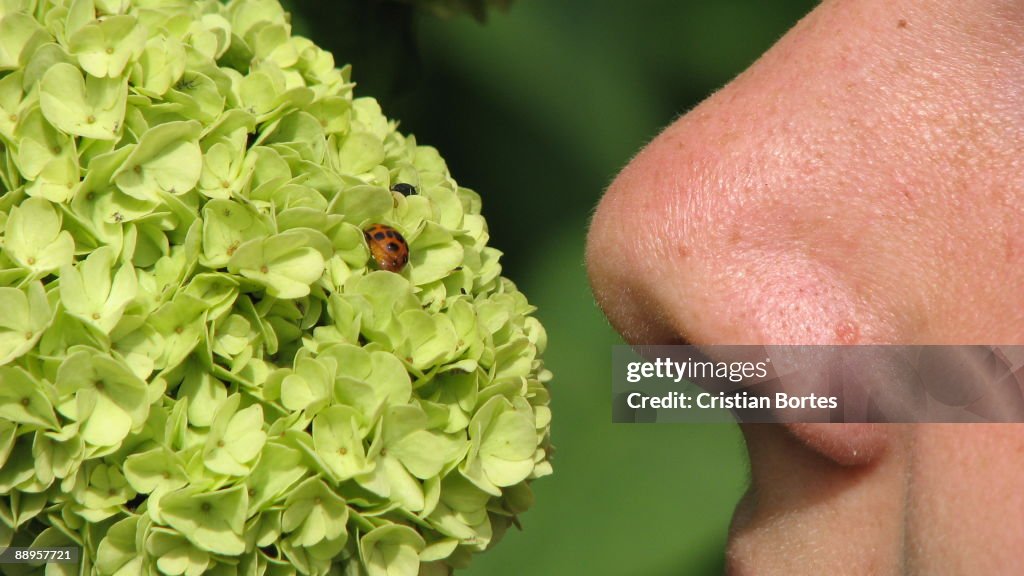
863,182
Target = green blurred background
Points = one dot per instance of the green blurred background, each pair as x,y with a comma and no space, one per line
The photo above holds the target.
537,109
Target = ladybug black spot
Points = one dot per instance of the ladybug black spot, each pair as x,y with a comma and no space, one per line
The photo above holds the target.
392,247
390,234
404,189
378,235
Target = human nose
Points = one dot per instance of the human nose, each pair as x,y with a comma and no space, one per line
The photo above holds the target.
855,185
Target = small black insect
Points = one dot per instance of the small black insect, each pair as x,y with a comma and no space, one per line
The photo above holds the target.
403,189
184,85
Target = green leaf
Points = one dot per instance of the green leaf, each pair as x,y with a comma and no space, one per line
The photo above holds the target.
92,108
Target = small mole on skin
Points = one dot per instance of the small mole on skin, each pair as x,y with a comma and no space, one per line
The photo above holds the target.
901,24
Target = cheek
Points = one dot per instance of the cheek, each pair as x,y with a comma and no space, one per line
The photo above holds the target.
966,512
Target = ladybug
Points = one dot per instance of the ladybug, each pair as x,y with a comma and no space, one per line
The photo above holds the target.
404,189
388,247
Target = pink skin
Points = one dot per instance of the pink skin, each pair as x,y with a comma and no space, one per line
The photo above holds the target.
862,182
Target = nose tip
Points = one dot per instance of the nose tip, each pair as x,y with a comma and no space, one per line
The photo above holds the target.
696,240
640,244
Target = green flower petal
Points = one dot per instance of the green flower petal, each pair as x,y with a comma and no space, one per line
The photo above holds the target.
366,380
282,263
313,513
180,324
311,384
93,108
504,440
176,555
105,47
118,553
88,292
19,35
338,439
160,65
157,469
111,399
22,399
34,239
26,314
211,521
201,369
226,226
235,439
166,159
391,550
433,254
279,468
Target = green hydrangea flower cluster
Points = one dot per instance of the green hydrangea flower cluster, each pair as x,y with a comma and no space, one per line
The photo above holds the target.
201,369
